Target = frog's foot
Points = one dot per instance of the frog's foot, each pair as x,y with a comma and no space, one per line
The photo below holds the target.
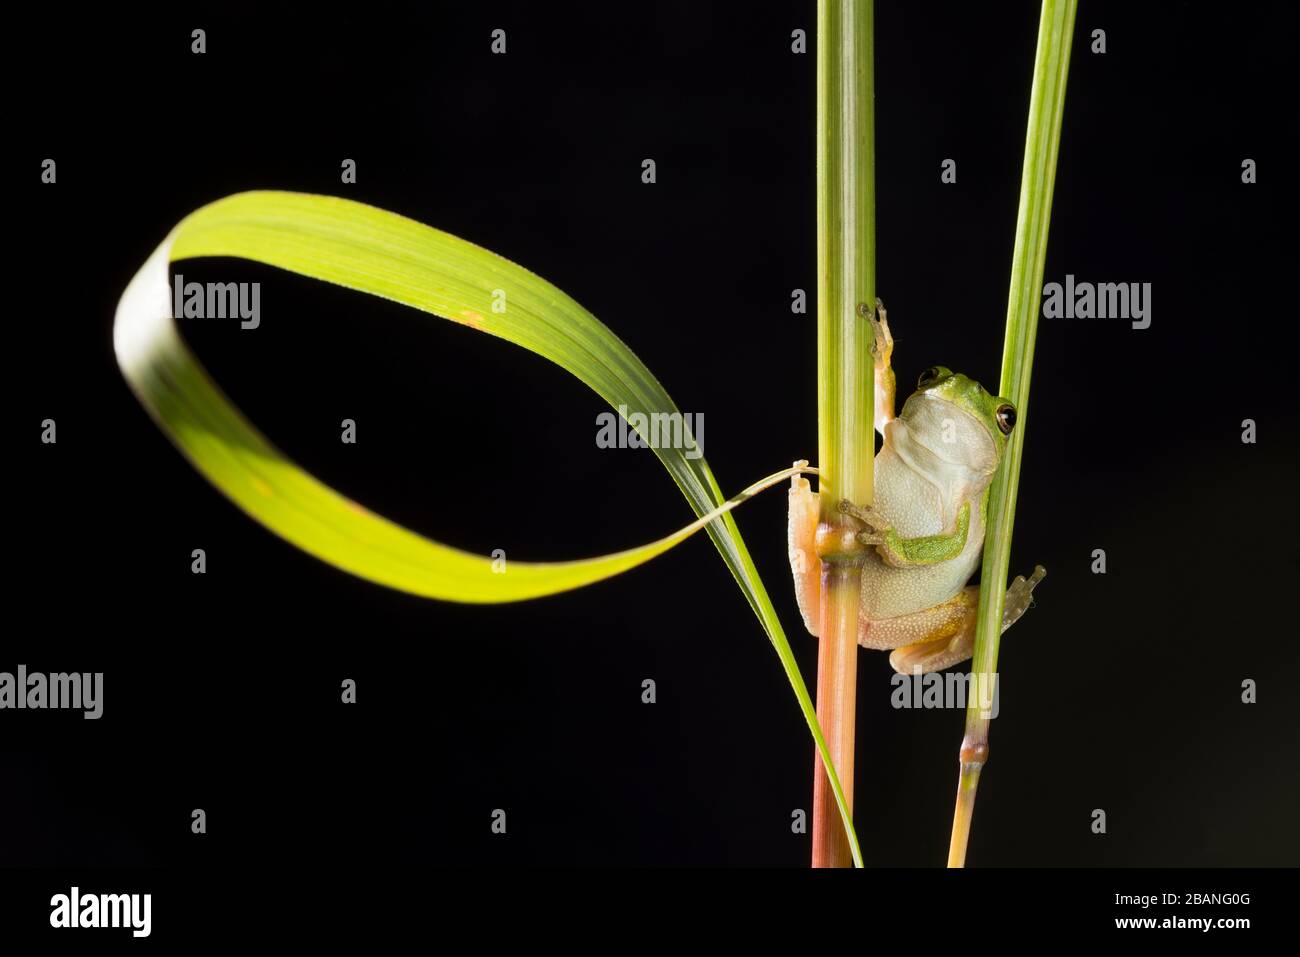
798,481
1020,596
926,656
877,526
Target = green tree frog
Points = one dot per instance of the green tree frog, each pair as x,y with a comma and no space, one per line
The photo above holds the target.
921,540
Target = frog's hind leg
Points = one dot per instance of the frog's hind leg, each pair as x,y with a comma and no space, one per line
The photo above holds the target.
805,513
943,636
951,642
930,629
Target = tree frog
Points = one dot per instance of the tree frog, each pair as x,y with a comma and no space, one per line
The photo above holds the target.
921,540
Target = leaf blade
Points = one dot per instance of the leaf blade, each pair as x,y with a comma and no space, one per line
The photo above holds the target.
383,254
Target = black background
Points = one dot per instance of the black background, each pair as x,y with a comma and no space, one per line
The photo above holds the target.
1119,692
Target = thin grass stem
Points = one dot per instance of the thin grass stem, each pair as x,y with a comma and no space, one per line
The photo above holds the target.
1038,178
846,268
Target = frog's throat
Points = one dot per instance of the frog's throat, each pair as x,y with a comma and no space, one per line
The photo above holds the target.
927,462
922,415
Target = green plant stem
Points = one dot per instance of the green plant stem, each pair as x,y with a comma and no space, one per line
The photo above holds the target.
1042,140
846,261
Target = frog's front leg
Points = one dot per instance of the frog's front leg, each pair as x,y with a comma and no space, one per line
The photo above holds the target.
944,635
903,552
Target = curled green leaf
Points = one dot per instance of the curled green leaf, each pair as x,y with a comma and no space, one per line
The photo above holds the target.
386,255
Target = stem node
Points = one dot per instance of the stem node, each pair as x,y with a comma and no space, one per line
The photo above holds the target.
974,753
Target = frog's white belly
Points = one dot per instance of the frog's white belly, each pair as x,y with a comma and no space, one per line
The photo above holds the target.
916,504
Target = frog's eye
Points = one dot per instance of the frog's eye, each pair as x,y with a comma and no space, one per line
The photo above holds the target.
1006,416
929,377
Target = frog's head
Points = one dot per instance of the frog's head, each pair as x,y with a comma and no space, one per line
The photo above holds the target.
953,417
